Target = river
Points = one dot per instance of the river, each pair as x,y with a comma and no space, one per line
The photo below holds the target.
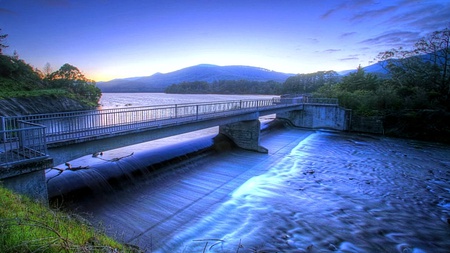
315,191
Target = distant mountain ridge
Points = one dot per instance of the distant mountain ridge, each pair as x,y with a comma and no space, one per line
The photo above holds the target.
158,82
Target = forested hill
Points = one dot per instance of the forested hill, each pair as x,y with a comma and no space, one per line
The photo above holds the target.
25,90
204,73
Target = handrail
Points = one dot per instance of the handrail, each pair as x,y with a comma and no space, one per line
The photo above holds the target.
21,141
114,110
28,135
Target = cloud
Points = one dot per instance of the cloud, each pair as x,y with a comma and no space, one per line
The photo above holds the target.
399,14
393,39
312,40
338,8
331,50
423,17
349,34
406,22
328,13
351,4
348,59
373,14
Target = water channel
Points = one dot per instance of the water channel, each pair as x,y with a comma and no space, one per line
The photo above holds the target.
316,191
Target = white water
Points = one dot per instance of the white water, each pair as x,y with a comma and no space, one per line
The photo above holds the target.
313,192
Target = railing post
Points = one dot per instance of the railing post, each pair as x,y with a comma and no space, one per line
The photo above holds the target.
22,135
2,129
176,111
196,112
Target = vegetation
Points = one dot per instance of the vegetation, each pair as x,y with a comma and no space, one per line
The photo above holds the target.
225,87
27,226
299,84
2,38
414,98
418,79
308,83
19,79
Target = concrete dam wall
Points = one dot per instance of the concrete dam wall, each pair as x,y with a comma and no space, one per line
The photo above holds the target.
317,116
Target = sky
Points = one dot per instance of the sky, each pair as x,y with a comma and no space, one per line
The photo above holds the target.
109,39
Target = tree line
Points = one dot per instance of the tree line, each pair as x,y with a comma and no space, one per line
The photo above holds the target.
415,79
225,87
411,96
301,83
418,78
18,78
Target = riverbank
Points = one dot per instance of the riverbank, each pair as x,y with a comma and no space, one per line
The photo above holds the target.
27,226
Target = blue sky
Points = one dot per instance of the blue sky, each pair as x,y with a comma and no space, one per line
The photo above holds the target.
108,39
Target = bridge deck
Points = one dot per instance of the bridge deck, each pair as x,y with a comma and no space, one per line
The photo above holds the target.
31,134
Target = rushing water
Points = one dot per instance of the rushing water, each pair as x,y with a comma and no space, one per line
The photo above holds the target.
314,192
336,192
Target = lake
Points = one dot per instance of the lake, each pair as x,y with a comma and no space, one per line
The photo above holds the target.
315,191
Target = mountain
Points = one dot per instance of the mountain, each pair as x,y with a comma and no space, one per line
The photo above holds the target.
378,69
375,69
203,72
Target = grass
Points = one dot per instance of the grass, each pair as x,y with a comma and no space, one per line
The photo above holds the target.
27,226
33,93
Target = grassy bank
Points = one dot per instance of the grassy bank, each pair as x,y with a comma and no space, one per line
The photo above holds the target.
34,93
27,226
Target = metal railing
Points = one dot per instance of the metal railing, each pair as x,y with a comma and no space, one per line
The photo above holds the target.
21,141
26,137
325,101
308,99
79,124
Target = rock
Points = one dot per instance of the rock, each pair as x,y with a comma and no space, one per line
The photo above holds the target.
37,105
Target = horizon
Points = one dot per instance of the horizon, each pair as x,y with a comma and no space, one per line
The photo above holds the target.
110,40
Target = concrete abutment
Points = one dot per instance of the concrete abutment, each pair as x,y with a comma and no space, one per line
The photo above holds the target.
245,134
316,116
28,179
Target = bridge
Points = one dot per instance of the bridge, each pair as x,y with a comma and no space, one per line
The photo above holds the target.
32,143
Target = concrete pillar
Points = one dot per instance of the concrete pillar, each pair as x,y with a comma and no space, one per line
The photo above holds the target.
246,134
32,185
27,179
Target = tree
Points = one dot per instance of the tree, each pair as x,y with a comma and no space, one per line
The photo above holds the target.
424,71
308,83
2,37
70,78
359,80
47,69
15,55
68,72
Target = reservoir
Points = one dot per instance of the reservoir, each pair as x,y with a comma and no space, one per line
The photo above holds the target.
315,191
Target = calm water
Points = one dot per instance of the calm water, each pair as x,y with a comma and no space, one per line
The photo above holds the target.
314,192
117,100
